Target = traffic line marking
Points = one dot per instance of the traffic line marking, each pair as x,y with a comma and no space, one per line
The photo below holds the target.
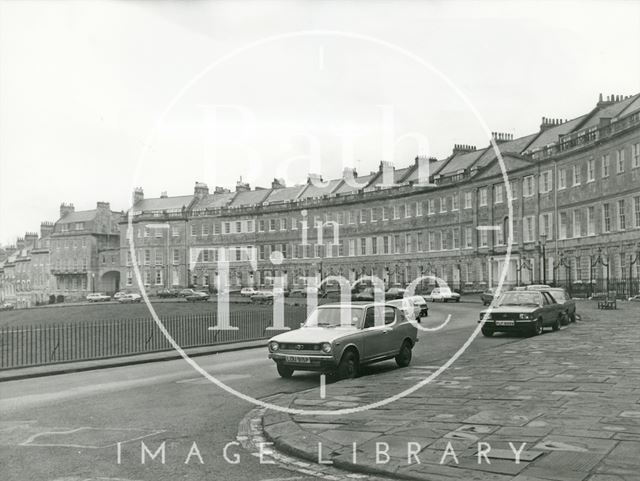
31,440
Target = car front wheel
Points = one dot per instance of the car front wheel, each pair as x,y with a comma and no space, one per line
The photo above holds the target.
487,331
536,328
285,371
348,367
403,359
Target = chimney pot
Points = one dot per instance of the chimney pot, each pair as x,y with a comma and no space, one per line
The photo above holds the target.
138,195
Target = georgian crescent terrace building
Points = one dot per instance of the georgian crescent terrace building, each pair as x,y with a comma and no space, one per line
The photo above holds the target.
574,187
575,190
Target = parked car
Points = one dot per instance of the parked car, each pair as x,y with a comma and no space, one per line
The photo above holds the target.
394,293
186,292
6,306
98,297
414,307
561,296
168,293
369,294
262,297
523,311
130,298
324,344
305,292
443,294
118,295
247,291
197,296
537,287
487,296
635,298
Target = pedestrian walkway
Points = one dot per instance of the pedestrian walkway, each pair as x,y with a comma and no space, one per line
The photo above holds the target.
561,406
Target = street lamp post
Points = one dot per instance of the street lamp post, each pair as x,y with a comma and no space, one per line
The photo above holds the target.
594,263
632,261
459,265
543,247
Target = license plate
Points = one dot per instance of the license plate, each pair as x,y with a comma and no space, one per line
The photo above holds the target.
505,323
298,359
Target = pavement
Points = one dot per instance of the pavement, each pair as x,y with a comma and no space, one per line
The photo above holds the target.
567,402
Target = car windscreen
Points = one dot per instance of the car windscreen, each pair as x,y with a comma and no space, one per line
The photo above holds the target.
330,316
559,296
519,298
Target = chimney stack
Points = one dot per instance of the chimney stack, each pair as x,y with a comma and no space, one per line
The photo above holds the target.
463,148
163,194
349,173
387,170
46,229
500,137
30,239
20,243
66,209
242,186
278,184
138,195
220,190
201,190
103,206
315,179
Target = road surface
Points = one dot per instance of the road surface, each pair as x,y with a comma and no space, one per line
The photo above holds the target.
68,427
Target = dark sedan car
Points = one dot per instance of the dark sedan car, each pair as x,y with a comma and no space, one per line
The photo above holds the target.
197,296
562,297
487,296
523,311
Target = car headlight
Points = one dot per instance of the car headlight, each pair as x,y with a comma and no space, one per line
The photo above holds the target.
482,316
325,347
525,316
274,346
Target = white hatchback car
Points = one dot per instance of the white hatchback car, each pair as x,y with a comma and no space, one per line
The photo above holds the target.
443,294
248,291
414,307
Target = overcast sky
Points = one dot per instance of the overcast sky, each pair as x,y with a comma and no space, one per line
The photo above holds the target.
84,85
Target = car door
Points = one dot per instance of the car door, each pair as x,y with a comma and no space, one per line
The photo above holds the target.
550,308
375,338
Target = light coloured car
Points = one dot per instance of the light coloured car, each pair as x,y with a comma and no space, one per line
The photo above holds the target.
248,291
414,307
537,287
342,337
197,296
130,298
262,297
98,297
443,294
118,295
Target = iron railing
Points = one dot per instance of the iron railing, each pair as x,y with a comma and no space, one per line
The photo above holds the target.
35,345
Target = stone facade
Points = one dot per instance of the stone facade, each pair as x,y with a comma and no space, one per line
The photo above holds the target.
574,188
77,241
